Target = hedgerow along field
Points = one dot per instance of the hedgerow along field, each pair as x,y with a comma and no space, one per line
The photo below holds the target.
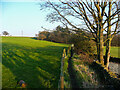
36,62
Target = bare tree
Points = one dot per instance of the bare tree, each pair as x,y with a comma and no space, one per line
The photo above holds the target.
110,33
97,16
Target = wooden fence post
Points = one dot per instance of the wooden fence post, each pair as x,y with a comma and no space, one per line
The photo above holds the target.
62,70
64,53
72,47
68,50
62,82
61,85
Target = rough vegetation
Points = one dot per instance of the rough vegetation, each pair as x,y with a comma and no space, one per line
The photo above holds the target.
92,74
85,76
106,76
83,44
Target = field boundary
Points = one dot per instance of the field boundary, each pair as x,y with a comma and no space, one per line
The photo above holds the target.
109,77
65,55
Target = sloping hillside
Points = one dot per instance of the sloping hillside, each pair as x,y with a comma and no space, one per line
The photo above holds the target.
34,61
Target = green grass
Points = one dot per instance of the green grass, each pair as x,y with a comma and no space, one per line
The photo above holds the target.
36,62
114,52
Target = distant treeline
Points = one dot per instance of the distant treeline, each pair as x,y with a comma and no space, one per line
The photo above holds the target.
80,39
116,40
66,35
60,35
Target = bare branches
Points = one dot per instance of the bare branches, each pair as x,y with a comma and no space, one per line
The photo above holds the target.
116,27
94,14
116,12
62,15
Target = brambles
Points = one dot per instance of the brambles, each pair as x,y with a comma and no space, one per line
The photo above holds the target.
86,76
83,44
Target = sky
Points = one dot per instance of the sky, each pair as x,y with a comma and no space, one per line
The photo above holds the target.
23,16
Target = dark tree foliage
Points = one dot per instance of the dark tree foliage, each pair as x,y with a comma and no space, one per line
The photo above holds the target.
116,40
5,33
60,35
83,44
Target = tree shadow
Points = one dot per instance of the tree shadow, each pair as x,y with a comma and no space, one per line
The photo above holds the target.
38,67
35,38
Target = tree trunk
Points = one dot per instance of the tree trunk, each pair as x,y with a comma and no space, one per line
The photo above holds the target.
107,55
101,48
108,44
101,59
98,56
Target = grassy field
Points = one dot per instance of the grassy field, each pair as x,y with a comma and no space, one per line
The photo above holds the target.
34,61
115,52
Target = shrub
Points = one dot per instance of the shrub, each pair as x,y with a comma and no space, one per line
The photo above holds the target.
42,37
83,44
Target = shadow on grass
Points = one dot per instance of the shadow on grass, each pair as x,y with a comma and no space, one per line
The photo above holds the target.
34,38
38,67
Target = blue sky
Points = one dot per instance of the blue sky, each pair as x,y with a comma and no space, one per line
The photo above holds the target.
23,16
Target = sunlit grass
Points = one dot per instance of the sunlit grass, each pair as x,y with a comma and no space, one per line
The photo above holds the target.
114,52
34,61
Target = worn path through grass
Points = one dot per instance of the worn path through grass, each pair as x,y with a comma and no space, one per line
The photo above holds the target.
74,83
